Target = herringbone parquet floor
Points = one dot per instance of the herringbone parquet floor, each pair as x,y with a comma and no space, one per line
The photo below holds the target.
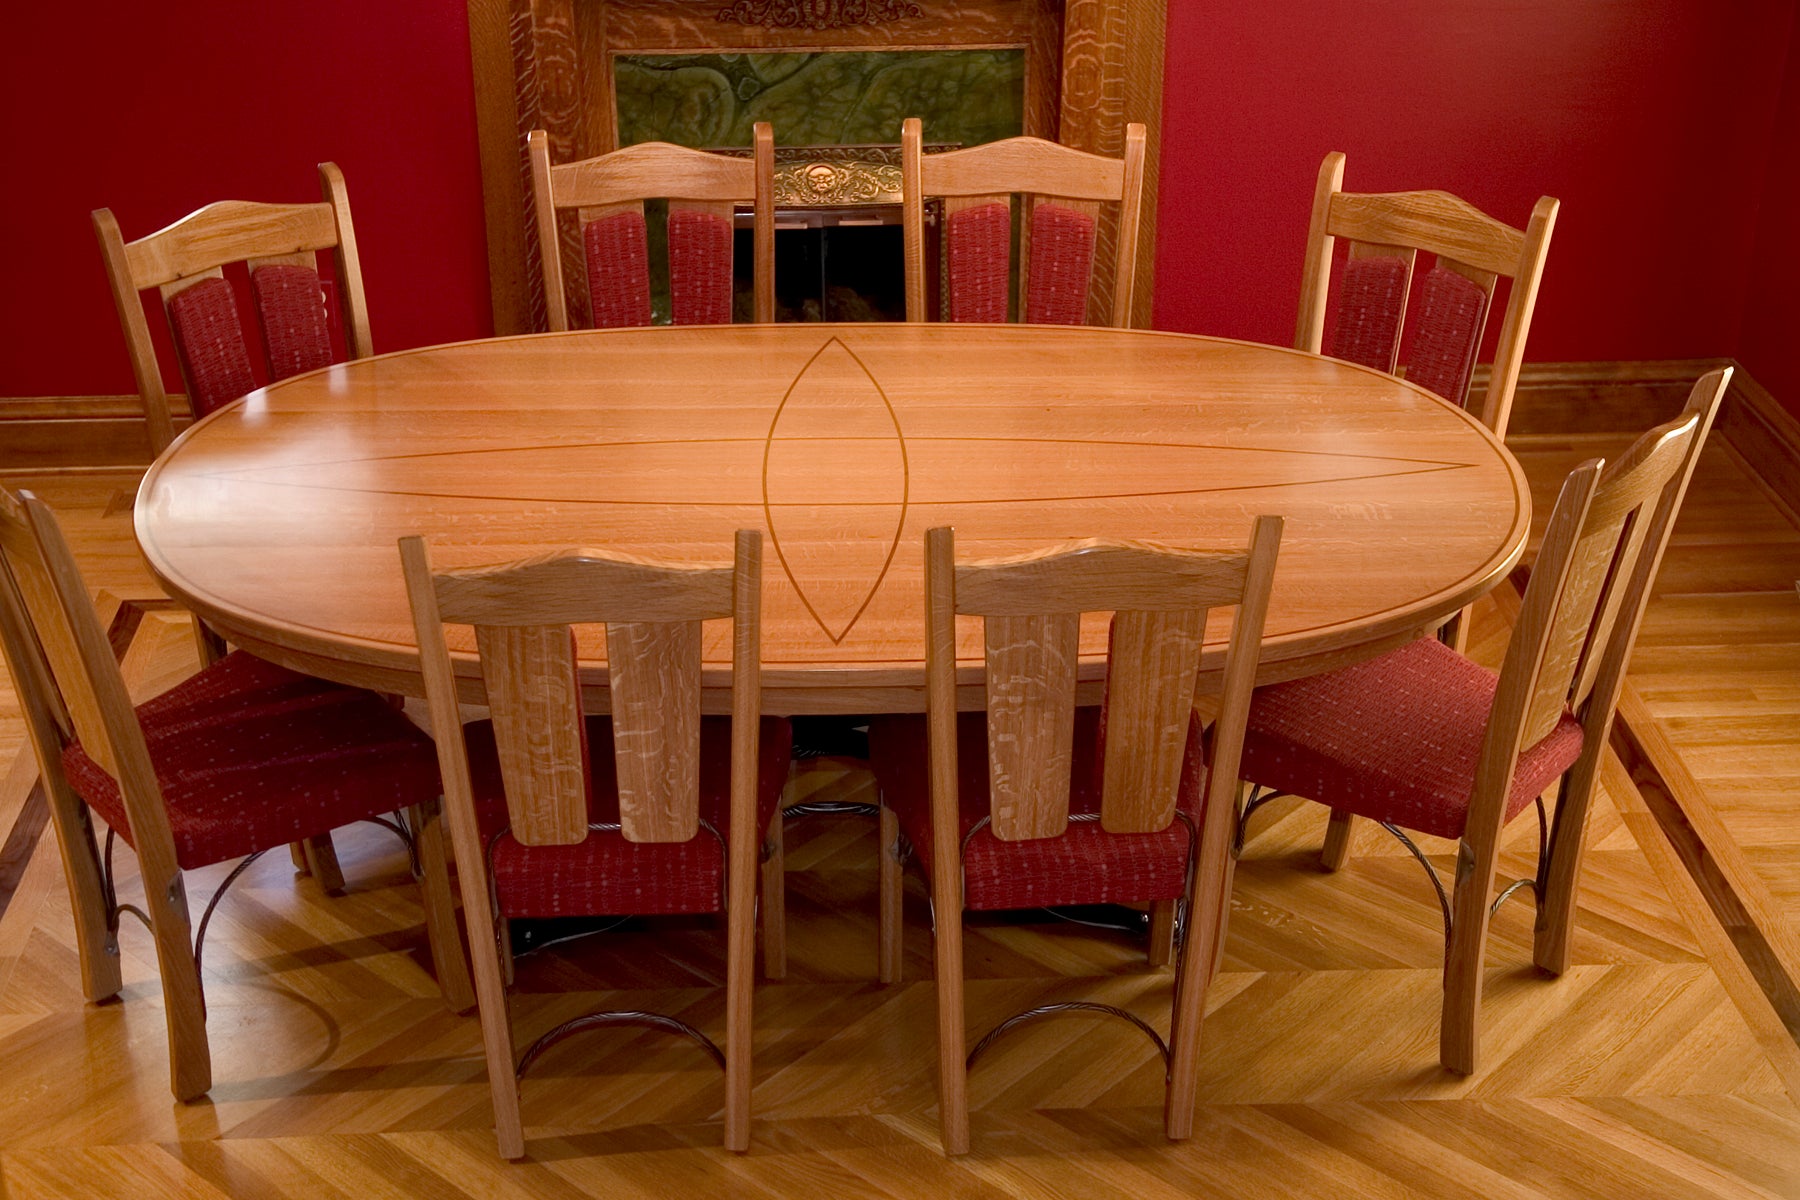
1648,1071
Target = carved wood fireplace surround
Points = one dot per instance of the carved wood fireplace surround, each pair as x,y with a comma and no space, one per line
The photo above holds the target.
1090,66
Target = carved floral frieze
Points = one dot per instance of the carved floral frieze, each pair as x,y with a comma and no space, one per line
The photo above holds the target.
817,14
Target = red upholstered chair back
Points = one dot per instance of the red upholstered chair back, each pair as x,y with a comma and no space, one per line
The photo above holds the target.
1064,228
68,681
606,240
1031,608
279,244
1424,321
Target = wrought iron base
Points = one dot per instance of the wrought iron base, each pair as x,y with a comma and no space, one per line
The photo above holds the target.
1045,1010
855,808
624,1017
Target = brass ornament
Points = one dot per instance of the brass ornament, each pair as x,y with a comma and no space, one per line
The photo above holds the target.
837,181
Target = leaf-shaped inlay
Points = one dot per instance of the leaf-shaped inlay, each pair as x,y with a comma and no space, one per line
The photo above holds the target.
834,486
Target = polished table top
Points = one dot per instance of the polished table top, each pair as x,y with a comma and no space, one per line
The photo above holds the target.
276,518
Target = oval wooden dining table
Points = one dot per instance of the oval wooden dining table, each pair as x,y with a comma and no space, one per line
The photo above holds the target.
276,517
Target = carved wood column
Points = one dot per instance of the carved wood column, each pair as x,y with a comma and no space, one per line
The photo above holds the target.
1112,75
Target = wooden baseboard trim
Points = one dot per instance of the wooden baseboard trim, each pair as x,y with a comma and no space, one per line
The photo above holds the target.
61,433
1569,399
1766,437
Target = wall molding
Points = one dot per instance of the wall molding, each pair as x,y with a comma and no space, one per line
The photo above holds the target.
1766,437
61,433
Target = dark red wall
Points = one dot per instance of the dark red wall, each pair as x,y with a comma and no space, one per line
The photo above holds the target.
1653,120
1770,347
1649,119
153,109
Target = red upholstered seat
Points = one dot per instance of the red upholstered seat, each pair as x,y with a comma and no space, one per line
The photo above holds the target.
1446,334
1062,259
978,243
210,340
605,874
1371,300
1395,738
291,306
251,755
618,269
699,268
1086,865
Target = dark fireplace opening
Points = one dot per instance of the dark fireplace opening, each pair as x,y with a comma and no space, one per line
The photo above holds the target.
832,265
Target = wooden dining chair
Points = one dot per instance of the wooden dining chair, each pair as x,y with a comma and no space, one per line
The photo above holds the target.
1432,339
184,262
1061,191
236,760
1421,738
607,195
1037,802
553,814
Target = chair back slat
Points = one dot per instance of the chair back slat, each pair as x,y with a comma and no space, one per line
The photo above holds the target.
651,170
522,613
1031,662
653,672
229,231
1095,575
1031,606
1152,665
1436,222
534,700
1057,243
573,587
1024,165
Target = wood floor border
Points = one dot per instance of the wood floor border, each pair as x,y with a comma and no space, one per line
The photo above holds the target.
1736,895
1670,858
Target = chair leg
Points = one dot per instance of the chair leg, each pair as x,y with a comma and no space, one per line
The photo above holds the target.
1162,932
184,1004
208,643
1338,835
889,944
1193,971
740,970
447,956
497,1042
1202,946
1459,1034
297,852
1454,633
1561,874
953,1071
487,944
322,862
96,941
774,904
